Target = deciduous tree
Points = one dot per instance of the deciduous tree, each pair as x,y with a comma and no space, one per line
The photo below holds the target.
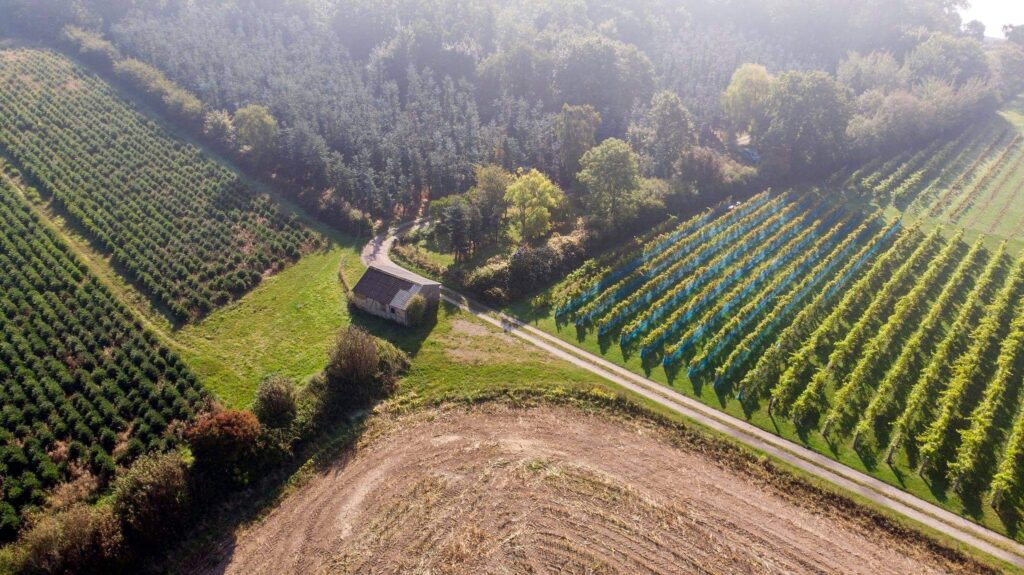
257,130
662,133
744,101
806,117
532,198
611,177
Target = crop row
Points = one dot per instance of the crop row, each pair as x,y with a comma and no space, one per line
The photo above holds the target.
186,229
84,387
868,334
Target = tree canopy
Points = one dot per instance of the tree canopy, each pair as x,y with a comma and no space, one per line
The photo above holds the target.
806,114
743,102
531,199
611,176
256,129
663,130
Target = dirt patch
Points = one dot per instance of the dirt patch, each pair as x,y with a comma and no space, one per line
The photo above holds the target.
469,328
495,489
476,344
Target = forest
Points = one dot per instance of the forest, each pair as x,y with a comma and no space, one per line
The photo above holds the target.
377,106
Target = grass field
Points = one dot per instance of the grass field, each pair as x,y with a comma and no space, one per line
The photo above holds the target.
284,326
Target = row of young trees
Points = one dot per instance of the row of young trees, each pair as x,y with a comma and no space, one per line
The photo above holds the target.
85,389
160,497
187,229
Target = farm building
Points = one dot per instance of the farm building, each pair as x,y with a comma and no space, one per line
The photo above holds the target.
387,291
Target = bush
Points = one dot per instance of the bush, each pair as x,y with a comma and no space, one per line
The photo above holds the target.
219,127
225,441
493,274
416,311
353,360
91,46
153,82
710,173
275,401
152,497
392,363
81,539
361,369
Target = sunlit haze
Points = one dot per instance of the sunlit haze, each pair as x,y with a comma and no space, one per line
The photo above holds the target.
995,14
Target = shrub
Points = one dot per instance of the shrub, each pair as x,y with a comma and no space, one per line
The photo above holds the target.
152,497
275,401
360,369
224,441
493,274
153,82
81,539
416,311
353,358
219,127
90,45
392,363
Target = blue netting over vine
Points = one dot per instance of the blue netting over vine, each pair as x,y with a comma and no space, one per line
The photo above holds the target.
685,231
700,281
769,330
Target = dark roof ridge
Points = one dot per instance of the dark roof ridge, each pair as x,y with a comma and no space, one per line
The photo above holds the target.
402,274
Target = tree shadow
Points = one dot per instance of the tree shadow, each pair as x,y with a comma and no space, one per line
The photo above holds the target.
868,458
804,429
406,338
1010,518
211,542
723,390
898,474
938,484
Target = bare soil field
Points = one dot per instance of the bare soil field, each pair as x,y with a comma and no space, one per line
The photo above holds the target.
497,489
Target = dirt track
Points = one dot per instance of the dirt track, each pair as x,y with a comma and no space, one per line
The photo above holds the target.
498,490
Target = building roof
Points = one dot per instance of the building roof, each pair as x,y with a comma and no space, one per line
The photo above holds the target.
391,286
